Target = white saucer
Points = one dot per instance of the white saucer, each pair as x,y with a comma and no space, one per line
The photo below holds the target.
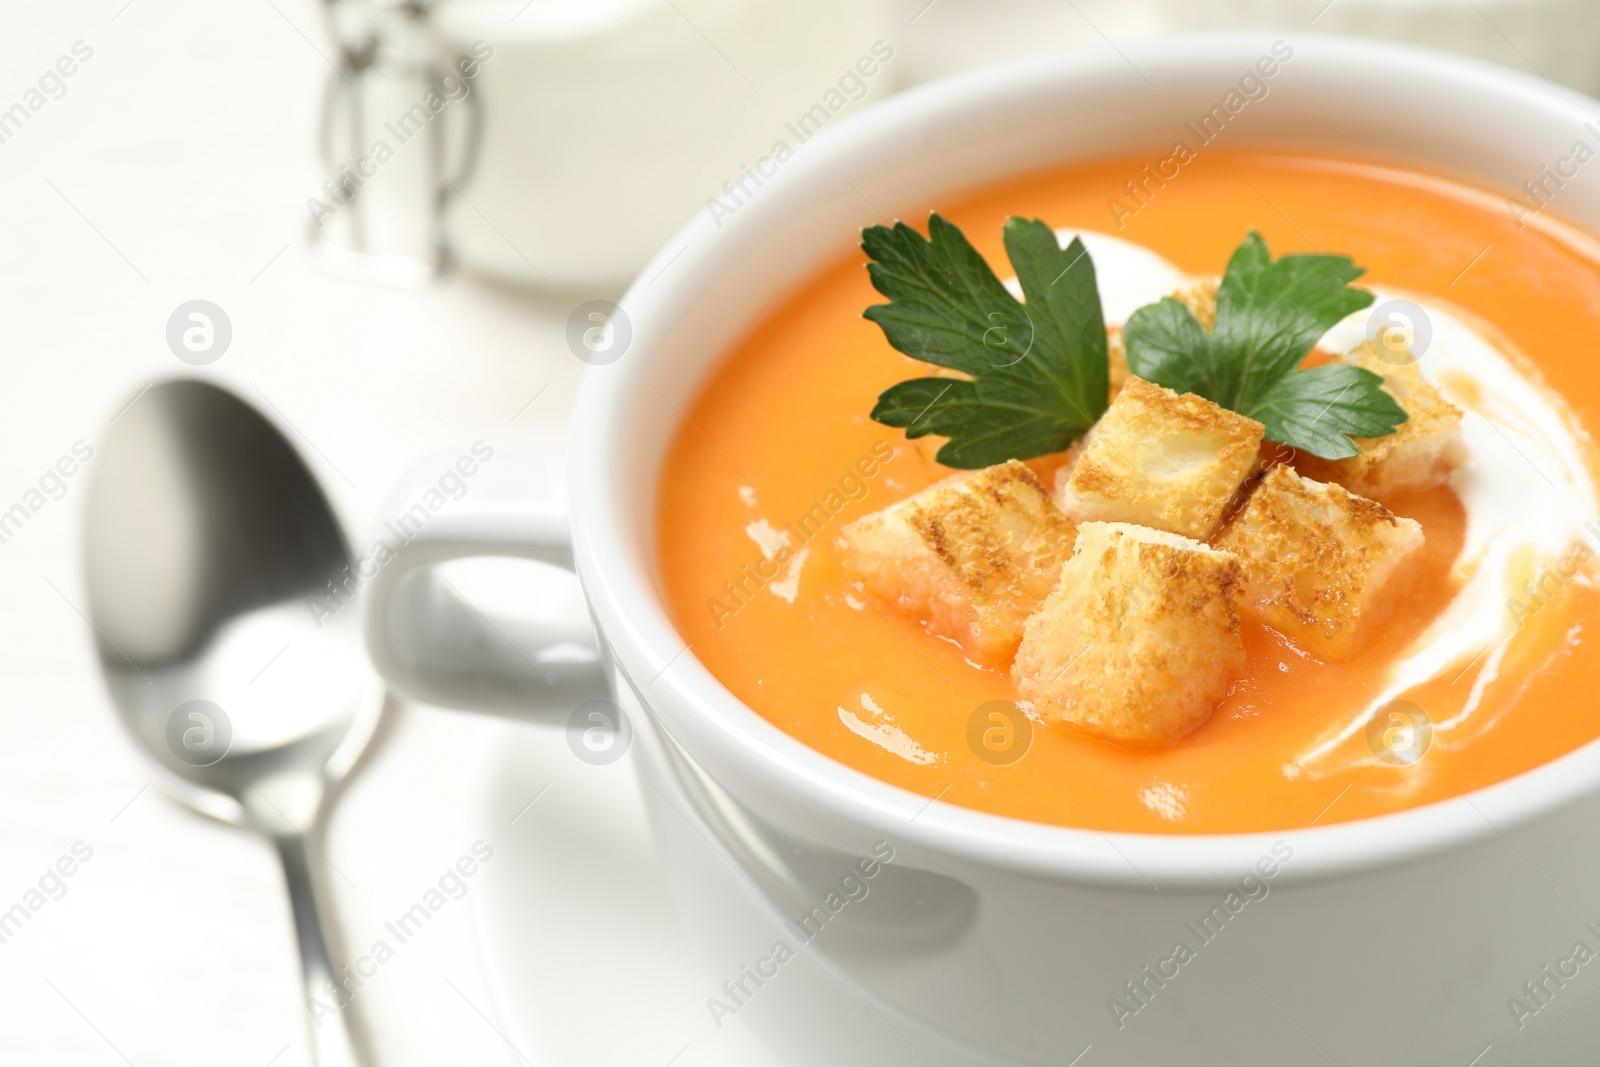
584,952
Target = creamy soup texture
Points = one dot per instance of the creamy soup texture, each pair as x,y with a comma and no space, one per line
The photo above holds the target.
1479,670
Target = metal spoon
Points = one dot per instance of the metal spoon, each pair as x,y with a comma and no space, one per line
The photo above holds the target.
206,542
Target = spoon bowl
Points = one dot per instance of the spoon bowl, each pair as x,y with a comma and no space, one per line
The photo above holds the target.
218,585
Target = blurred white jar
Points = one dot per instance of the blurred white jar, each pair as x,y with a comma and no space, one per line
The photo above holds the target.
607,123
944,37
1555,39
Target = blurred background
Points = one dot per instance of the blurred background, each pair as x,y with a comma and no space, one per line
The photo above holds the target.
401,209
598,127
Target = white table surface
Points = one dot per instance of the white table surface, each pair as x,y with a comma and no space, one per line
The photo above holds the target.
177,166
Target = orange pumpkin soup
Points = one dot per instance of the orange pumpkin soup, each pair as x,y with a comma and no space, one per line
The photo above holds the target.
779,448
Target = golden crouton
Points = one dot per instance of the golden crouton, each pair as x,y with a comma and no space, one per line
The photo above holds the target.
1420,454
1199,296
1317,557
1139,641
971,558
1117,371
1163,460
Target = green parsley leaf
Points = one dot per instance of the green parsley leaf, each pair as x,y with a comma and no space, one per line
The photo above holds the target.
1270,314
1036,372
1318,409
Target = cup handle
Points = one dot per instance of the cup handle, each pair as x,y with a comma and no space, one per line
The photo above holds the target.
434,645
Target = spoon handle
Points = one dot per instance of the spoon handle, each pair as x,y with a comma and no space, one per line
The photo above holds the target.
334,1039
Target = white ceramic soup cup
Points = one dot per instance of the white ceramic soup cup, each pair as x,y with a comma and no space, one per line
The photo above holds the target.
1408,939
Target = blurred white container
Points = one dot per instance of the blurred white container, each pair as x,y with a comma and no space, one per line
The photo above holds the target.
608,123
946,36
1558,40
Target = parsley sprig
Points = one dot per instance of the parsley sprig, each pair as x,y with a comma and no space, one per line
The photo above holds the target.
1036,372
1270,314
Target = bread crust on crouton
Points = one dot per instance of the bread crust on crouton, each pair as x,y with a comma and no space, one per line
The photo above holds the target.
1422,452
971,557
1160,459
1139,641
1117,371
1199,296
1317,558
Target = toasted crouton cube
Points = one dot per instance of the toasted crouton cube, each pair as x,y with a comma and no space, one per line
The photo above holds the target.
971,558
1422,452
1140,640
1117,371
1199,296
1162,460
1317,558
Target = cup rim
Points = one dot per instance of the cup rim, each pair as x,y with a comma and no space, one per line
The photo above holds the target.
694,706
